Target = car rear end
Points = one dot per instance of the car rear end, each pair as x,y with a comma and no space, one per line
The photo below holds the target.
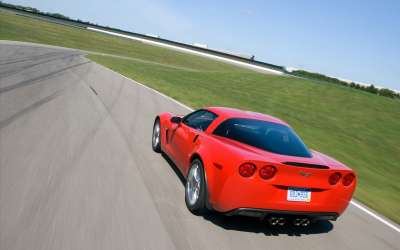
290,189
267,170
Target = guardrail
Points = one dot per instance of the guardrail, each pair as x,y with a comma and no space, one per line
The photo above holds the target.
81,24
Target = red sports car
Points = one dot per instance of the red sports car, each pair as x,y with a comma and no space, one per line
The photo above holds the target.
246,163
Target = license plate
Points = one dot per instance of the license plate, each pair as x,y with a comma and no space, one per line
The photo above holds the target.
299,194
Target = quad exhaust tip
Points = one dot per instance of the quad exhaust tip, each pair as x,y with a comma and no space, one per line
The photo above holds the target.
304,222
298,222
277,221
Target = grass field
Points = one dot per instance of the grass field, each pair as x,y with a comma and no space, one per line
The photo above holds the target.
360,129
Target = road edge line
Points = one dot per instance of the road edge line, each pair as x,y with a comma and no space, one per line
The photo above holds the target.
374,214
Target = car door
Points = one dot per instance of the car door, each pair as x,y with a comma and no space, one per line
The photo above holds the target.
184,138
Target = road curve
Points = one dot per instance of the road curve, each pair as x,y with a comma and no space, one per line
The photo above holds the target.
77,170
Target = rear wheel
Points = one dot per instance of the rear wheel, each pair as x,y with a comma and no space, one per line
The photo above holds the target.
156,137
196,189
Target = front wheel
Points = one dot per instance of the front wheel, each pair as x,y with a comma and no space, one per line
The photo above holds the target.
196,189
156,137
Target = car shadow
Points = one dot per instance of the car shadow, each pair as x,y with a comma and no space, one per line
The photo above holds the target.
254,225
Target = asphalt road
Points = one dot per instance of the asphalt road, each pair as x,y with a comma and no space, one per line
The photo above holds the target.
77,170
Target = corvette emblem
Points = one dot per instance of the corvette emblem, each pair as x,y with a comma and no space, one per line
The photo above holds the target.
305,174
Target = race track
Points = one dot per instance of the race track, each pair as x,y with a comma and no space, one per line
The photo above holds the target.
77,170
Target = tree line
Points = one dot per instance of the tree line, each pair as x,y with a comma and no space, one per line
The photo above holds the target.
49,14
370,88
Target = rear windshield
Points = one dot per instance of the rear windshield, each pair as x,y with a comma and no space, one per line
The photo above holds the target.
269,136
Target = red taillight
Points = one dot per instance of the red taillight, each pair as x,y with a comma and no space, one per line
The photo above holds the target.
334,178
267,172
247,169
348,179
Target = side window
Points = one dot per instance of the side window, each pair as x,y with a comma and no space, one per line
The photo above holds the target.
224,128
199,119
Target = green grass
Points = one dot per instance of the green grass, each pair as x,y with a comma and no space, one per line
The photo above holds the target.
360,129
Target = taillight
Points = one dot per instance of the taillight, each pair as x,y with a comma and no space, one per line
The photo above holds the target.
267,172
348,179
334,178
247,169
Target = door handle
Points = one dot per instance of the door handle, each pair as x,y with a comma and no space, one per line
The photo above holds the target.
195,138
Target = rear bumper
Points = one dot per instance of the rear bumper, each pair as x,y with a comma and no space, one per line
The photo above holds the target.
262,213
239,193
228,191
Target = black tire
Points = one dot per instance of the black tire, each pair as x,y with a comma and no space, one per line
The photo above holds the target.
156,144
199,206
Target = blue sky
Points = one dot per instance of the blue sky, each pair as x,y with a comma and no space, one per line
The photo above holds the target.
356,40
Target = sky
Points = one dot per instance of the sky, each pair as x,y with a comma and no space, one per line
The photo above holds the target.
357,40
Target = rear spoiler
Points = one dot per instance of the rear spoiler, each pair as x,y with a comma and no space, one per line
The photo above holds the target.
305,165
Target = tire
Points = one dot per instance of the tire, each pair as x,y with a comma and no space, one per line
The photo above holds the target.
156,136
195,183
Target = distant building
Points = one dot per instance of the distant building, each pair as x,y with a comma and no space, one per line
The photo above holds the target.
200,45
291,69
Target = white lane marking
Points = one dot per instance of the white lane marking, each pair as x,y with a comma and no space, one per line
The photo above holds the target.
352,202
151,89
188,50
374,214
163,95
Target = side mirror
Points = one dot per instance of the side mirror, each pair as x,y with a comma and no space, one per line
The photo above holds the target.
176,119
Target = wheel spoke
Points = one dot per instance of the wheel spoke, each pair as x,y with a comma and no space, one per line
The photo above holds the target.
156,134
194,184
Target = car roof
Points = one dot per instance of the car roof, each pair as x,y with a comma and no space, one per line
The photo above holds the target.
227,113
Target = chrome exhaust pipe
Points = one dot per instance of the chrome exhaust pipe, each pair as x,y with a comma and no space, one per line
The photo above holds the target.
277,221
305,222
297,222
281,221
273,221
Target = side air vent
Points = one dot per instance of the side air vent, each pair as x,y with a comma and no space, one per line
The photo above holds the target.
305,165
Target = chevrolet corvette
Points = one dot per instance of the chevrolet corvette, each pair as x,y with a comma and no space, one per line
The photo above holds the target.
251,164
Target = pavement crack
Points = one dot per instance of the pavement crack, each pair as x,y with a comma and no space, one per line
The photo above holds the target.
94,91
